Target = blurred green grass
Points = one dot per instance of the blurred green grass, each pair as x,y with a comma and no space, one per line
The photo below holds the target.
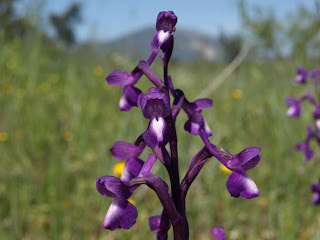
59,118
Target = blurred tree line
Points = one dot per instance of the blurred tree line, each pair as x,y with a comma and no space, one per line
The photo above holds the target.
298,34
14,25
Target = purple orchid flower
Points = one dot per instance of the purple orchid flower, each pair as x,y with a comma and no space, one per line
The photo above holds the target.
302,75
156,106
294,107
165,29
196,122
219,233
315,188
124,151
316,117
121,213
239,183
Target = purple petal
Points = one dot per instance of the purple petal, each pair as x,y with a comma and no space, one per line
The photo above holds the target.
124,150
166,21
151,159
155,105
219,233
130,98
110,186
120,78
304,147
240,184
316,193
202,103
131,169
157,133
154,223
121,214
245,156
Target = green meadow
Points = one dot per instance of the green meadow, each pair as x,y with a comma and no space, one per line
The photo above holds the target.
59,117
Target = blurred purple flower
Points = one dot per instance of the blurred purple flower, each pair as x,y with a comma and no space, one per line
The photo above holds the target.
302,75
316,117
219,233
315,188
304,146
294,107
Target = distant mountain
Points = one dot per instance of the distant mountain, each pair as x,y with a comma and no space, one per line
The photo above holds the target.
188,45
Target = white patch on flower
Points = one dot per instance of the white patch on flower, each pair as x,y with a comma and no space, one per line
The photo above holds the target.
318,124
251,186
207,128
299,78
194,128
123,102
125,175
291,111
112,211
157,127
163,36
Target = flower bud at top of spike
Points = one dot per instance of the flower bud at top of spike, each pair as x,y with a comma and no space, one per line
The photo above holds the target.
166,21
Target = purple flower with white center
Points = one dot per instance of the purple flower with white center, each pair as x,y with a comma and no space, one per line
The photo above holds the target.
239,183
130,98
121,213
156,107
316,117
196,122
219,233
315,188
165,27
294,107
294,111
302,75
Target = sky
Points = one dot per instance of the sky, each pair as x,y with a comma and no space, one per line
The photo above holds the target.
107,20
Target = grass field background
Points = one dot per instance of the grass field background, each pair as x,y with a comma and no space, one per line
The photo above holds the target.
59,117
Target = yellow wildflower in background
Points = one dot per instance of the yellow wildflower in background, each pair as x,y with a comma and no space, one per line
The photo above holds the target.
3,136
66,204
68,136
98,71
133,202
118,168
224,169
236,93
